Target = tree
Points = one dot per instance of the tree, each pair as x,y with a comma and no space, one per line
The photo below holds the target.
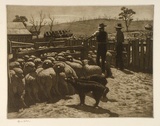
37,25
127,16
22,19
51,22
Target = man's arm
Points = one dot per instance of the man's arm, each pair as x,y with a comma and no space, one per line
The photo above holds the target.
93,35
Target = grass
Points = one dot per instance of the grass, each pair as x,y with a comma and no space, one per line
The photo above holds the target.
88,27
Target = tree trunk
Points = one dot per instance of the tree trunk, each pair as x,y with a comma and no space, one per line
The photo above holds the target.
37,36
127,28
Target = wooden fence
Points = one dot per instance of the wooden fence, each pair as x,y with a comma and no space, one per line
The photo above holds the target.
140,55
137,54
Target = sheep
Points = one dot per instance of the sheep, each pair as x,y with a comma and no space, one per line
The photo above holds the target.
32,56
26,57
51,58
84,87
63,67
77,68
21,62
89,70
28,67
108,64
92,59
60,58
16,90
14,64
63,70
63,87
31,59
38,63
47,64
71,59
31,86
46,79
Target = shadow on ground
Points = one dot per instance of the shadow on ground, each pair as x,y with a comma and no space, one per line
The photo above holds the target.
127,71
110,100
91,109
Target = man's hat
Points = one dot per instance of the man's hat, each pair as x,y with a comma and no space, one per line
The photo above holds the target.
119,25
101,25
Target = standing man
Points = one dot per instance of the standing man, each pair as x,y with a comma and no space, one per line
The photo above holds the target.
119,47
102,39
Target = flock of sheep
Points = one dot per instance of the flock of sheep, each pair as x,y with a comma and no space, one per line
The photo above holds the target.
34,79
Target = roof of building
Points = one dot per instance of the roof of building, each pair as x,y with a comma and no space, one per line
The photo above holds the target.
17,28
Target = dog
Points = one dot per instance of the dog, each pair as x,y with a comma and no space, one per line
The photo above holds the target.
82,87
101,79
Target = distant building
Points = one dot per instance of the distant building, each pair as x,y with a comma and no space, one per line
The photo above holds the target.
16,31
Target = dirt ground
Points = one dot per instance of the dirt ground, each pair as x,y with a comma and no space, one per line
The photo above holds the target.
131,95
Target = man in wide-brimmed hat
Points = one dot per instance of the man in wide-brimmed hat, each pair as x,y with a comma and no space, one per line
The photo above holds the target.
102,39
119,46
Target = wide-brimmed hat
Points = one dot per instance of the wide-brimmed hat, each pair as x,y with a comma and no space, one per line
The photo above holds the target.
102,25
119,25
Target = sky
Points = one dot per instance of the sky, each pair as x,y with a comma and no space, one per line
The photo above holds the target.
71,13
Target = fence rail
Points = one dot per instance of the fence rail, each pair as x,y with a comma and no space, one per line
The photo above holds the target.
138,53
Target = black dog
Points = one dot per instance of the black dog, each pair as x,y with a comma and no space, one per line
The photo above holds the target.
84,87
100,79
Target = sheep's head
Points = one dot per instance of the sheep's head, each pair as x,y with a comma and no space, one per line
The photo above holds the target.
21,61
85,62
26,57
69,58
60,58
47,64
59,67
14,64
29,66
31,59
37,62
32,56
19,72
52,59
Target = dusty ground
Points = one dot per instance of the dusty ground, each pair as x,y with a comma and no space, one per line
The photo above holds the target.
131,95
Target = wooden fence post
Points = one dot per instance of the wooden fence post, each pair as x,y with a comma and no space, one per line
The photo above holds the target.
137,54
36,46
142,55
150,55
133,53
84,51
128,54
147,55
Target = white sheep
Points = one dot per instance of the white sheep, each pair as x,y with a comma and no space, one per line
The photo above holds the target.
16,89
31,85
89,70
77,68
63,70
47,82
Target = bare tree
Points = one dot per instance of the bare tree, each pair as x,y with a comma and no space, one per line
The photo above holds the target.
127,16
37,25
51,22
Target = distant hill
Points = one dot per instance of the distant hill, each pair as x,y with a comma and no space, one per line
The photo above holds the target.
89,26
